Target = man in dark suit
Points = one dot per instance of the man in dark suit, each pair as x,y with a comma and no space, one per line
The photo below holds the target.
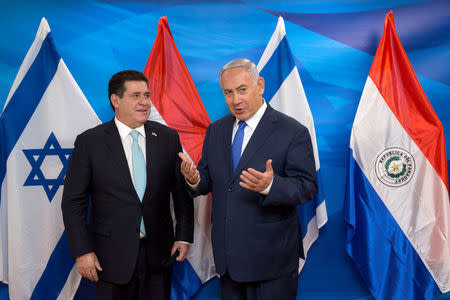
128,168
259,165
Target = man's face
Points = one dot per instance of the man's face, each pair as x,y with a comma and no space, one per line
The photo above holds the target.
242,96
133,108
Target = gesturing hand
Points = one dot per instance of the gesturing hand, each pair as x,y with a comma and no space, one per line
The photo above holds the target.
188,169
256,181
88,265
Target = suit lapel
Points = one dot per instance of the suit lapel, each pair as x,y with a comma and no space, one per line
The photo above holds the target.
262,132
228,130
152,154
117,155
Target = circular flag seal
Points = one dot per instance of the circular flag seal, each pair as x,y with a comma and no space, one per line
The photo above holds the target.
395,167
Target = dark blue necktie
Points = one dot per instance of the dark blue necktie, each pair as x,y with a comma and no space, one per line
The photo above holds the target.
236,147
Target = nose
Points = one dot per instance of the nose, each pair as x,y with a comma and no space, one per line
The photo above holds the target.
235,99
143,100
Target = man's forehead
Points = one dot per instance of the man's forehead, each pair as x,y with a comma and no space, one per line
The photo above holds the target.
135,85
235,71
235,80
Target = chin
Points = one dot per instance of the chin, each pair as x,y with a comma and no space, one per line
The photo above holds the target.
142,121
241,117
142,117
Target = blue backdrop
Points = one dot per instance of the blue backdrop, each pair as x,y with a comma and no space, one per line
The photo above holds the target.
333,43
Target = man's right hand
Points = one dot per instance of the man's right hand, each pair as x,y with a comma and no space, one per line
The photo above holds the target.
88,265
189,170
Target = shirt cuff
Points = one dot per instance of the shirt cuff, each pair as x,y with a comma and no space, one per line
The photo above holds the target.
187,243
192,186
267,189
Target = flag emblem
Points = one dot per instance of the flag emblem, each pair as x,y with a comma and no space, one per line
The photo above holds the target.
36,158
395,167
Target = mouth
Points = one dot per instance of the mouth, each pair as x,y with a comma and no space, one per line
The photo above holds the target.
239,110
142,110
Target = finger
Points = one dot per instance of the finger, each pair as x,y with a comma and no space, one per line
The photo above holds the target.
182,156
269,166
174,249
248,178
82,274
192,169
185,165
181,257
86,274
244,181
94,275
183,253
195,177
97,266
246,186
255,173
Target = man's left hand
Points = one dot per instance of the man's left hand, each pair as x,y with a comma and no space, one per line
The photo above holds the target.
183,248
256,181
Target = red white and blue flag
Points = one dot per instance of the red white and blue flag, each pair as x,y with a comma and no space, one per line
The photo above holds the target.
177,104
397,205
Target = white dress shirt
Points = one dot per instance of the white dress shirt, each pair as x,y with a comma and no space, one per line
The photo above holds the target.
127,142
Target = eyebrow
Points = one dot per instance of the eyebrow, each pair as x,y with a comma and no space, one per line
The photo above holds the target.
239,87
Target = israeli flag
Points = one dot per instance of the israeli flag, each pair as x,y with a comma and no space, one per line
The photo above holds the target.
284,91
44,112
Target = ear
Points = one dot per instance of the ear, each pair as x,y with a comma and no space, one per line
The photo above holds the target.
115,100
260,86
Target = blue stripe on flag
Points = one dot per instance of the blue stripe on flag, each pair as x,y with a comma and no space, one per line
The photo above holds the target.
23,103
56,272
383,254
277,69
308,210
185,282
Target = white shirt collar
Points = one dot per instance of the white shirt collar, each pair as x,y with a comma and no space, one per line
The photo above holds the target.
253,121
124,130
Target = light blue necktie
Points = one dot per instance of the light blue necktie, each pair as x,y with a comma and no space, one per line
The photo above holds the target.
236,147
139,170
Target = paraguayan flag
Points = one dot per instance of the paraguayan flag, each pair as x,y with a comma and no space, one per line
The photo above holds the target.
284,91
44,112
397,205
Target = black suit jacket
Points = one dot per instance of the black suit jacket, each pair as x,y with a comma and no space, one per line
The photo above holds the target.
98,170
257,237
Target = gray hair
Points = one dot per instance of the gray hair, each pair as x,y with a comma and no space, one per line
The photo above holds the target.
249,66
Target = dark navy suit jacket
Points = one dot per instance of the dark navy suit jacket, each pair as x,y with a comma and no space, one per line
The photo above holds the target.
257,237
98,169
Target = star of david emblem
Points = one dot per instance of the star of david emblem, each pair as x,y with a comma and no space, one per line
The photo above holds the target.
37,156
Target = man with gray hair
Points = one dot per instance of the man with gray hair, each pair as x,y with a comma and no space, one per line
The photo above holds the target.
259,165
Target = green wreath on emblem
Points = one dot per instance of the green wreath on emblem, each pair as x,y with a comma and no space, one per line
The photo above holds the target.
388,162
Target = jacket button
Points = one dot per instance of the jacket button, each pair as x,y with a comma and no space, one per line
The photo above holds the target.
230,189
